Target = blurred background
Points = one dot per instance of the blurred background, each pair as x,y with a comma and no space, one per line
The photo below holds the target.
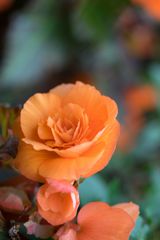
114,45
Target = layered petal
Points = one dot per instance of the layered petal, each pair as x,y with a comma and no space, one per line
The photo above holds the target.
99,108
62,90
58,202
38,165
68,133
37,109
110,138
28,162
131,208
98,220
92,101
89,163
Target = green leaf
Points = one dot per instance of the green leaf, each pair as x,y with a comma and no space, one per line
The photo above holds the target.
98,15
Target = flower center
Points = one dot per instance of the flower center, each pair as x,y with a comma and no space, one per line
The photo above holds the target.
66,128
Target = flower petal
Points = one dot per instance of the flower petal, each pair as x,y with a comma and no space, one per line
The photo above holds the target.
38,165
92,101
28,161
131,208
98,220
13,200
37,145
85,165
111,107
110,138
37,108
57,202
69,235
62,90
70,168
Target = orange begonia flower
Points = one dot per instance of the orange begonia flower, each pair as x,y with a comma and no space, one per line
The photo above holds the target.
98,220
151,6
138,101
141,99
68,133
57,202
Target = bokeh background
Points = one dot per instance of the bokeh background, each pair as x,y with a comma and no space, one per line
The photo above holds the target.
114,45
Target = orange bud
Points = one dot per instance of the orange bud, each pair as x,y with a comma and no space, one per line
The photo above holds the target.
58,202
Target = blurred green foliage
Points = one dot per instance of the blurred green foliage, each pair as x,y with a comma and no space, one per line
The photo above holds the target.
44,43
